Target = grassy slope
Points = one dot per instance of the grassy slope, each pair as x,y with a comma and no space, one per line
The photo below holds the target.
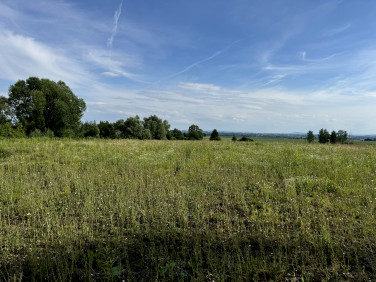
149,210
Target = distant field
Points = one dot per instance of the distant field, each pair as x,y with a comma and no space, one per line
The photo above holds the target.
186,210
264,139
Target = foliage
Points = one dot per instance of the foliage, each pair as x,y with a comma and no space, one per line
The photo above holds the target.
215,136
106,129
4,110
8,131
177,134
342,136
234,138
245,139
310,136
45,105
89,129
93,210
323,136
134,129
195,133
39,134
333,137
158,128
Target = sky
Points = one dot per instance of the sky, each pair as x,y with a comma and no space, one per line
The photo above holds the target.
265,66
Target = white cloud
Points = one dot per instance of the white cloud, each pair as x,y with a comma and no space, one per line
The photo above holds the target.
334,31
115,65
21,57
199,87
110,74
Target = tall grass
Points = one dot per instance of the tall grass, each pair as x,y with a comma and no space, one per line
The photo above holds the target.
166,210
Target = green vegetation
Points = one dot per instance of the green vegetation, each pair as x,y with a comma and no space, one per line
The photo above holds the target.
310,136
42,104
195,133
168,210
214,136
324,137
245,139
44,108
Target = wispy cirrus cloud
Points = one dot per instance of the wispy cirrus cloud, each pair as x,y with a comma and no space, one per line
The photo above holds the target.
336,30
115,65
22,56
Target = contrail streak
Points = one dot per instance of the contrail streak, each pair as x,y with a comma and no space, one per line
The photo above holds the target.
114,29
206,59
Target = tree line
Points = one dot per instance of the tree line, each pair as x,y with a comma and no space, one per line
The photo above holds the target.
151,127
324,137
41,107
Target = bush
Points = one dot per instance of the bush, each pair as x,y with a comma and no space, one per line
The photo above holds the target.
246,139
39,134
8,131
36,134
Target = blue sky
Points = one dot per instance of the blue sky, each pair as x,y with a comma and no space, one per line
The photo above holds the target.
255,66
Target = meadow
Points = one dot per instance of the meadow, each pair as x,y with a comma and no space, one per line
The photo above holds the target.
131,210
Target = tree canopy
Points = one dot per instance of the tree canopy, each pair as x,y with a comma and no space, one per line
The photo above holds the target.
323,136
195,132
44,105
215,136
310,136
158,128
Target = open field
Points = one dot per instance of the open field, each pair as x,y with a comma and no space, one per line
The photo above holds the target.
186,210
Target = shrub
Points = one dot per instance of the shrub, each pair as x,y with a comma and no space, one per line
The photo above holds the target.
246,139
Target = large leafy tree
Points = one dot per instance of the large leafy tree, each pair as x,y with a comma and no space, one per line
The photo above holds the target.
342,136
45,105
195,133
157,127
134,129
4,110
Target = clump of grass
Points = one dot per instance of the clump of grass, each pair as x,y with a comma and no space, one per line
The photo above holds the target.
134,210
4,153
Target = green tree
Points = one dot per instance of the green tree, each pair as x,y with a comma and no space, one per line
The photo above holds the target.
177,134
134,129
234,138
310,136
120,130
195,133
323,136
333,137
90,129
45,105
4,110
342,136
106,129
215,136
158,128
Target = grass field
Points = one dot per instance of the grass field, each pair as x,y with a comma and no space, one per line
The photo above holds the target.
186,210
